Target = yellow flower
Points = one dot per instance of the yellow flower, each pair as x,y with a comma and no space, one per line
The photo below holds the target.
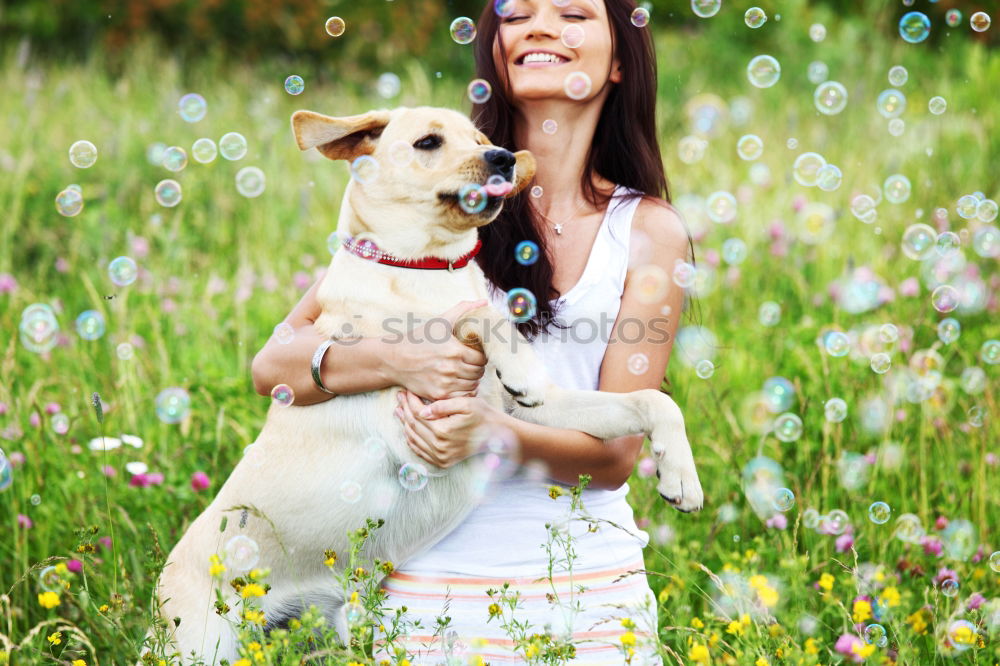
61,569
745,620
757,581
254,646
494,610
252,590
761,662
768,596
713,640
477,660
862,650
891,596
697,623
79,662
331,558
775,630
826,582
55,638
729,568
216,568
242,662
628,623
532,649
699,654
257,574
812,647
103,608
556,492
260,657
48,599
862,610
254,616
735,628
628,638
918,622
404,662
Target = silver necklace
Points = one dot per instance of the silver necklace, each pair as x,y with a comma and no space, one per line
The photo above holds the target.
558,226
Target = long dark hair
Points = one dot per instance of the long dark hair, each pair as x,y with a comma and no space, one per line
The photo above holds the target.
625,151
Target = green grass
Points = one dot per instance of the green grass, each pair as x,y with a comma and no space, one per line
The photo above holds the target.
256,247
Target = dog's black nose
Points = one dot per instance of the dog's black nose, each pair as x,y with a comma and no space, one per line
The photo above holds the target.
502,162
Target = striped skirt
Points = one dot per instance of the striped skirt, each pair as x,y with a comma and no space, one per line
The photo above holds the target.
602,599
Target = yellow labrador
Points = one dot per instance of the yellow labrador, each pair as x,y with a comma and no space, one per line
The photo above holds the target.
404,204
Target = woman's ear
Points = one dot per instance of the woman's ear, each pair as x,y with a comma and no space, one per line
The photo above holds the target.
616,74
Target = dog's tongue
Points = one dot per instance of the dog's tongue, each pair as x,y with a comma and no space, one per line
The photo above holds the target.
500,190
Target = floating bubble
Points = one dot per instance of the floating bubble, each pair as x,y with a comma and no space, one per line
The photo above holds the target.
60,423
684,274
472,198
233,146
888,333
980,21
879,513
6,473
788,427
945,298
897,188
817,32
241,553
960,540
69,203
891,103
388,85
192,107
749,147
174,159
123,271
806,168
83,154
294,85
897,126
479,91
521,304
835,410
953,17
761,479
704,368
760,174
918,241
577,85
204,150
637,364
284,333
967,206
526,253
962,634
875,635
350,492
365,169
898,75
949,587
908,528
990,352
976,416
836,343
780,393
640,17
835,522
90,325
282,395
810,518
986,210
769,314
250,182
880,363
784,499
986,242
763,71
995,561
830,97
695,343
829,177
413,476
948,330
172,405
937,105
973,380
463,30
335,26
691,149
550,126
572,36
914,27
818,72
734,251
947,243
792,143
721,207
754,17
39,328
863,208
706,8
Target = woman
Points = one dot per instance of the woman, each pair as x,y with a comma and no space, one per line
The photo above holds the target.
607,240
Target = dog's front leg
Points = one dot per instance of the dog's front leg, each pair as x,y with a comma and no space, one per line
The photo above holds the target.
609,415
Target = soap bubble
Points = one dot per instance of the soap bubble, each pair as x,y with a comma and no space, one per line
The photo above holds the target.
204,150
891,103
413,476
918,241
908,528
914,27
784,499
365,169
937,105
817,32
806,168
863,208
953,17
960,539
986,210
282,395
233,146
995,561
174,159
945,298
241,553
875,635
880,363
721,207
818,72
123,271
192,107
250,182
835,410
749,147
294,85
948,330
835,522
755,17
463,30
577,85
947,243
836,343
39,328
388,85
897,126
335,26
706,8
704,368
990,352
172,405
526,253
640,17
83,154
829,177
780,393
479,91
734,251
572,36
284,333
521,304
879,513
980,21
763,71
788,427
830,97
898,75
69,203
90,325
637,363
769,313
897,188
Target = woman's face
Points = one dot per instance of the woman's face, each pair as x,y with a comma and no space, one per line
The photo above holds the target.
576,36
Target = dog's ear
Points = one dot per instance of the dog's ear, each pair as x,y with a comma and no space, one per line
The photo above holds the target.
339,138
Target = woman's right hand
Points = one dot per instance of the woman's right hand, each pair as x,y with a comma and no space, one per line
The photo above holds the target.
436,368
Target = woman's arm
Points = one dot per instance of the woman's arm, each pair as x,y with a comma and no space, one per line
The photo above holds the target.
569,453
425,365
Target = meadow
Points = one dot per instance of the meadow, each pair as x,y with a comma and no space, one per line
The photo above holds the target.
802,295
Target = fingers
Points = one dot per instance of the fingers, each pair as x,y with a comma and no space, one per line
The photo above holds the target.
460,308
419,446
473,357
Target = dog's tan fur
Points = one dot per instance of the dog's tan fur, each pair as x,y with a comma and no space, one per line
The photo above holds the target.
306,453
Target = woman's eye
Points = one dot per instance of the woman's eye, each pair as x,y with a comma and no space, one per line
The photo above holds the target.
511,19
429,142
575,16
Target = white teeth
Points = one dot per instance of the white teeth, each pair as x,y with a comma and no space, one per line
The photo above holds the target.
541,57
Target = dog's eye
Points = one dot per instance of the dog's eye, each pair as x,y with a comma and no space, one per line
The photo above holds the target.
429,142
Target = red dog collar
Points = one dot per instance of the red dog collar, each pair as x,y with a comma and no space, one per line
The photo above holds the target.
367,249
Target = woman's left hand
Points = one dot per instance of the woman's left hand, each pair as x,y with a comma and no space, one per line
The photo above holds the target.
441,432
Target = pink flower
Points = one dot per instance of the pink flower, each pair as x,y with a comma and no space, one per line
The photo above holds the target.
168,305
871,458
3,408
62,266
105,541
932,546
76,566
140,247
642,523
109,471
943,574
776,230
909,287
886,295
199,481
647,467
52,408
798,202
302,280
980,554
779,248
778,521
16,458
849,646
732,275
7,283
844,543
712,258
23,521
991,459
940,523
975,602
35,420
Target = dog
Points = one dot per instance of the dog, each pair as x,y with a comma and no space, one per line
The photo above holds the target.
414,163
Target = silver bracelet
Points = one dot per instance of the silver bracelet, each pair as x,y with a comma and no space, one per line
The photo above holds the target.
317,361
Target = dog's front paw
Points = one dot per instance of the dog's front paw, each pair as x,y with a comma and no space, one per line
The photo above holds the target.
677,476
527,391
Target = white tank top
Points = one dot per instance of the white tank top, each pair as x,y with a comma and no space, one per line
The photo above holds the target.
505,534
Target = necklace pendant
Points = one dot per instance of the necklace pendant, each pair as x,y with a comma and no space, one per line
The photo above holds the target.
558,229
